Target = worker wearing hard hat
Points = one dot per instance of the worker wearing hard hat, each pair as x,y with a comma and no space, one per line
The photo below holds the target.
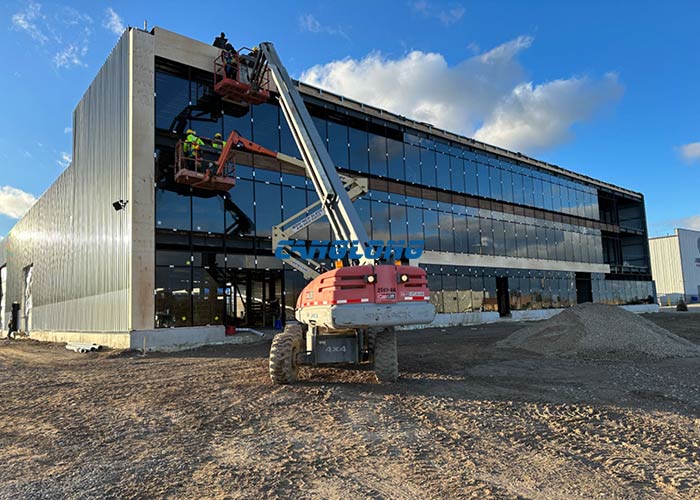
191,146
218,142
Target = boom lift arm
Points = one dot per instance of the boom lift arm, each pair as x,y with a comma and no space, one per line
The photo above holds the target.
335,201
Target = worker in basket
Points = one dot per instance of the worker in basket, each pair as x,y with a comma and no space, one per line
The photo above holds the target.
230,63
218,142
192,147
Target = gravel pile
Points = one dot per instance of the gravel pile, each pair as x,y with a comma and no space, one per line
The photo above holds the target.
600,331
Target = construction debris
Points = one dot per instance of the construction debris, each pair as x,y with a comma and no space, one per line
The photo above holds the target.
601,332
82,347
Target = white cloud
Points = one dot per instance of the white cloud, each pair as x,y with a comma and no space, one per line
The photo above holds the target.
64,160
447,16
14,202
690,152
63,32
71,55
67,130
485,95
308,22
541,116
113,22
25,20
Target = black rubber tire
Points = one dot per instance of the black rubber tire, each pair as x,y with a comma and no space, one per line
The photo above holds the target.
286,346
386,361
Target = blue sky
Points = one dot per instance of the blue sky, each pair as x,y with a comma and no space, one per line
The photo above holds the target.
608,89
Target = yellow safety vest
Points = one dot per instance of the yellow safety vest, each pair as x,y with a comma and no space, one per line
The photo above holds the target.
192,142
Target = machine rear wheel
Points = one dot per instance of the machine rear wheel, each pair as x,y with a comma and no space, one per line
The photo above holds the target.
286,346
386,363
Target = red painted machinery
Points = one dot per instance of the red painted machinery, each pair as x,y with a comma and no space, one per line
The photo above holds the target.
346,315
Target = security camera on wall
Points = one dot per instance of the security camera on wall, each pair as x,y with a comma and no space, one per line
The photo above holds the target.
119,205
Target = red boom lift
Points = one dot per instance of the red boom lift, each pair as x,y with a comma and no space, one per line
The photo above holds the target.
346,315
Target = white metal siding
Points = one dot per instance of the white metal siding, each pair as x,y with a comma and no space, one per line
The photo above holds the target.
78,244
666,265
690,258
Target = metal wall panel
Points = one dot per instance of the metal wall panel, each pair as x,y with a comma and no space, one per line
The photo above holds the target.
78,244
666,266
689,242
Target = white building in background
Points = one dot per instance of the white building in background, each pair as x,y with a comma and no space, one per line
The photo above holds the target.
675,266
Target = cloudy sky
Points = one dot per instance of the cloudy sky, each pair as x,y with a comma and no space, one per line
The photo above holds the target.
606,90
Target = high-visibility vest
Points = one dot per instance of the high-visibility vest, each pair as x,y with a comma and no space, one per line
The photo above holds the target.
192,142
218,144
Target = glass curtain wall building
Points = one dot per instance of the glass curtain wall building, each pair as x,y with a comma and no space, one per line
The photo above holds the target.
502,232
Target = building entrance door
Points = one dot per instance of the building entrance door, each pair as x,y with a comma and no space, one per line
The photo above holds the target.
503,296
254,298
27,301
584,288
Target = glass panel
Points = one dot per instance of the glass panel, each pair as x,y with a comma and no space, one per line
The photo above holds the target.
377,155
338,144
507,185
415,223
442,162
208,214
473,235
412,163
460,233
398,222
244,127
430,227
486,236
380,221
294,200
173,303
511,240
518,196
483,180
496,192
207,299
268,208
447,243
457,174
490,300
287,144
359,156
362,205
548,202
395,158
266,126
471,178
172,97
499,238
428,175
528,190
172,210
521,236
435,287
541,243
240,217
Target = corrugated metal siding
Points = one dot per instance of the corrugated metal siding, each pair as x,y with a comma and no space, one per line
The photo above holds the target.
78,244
690,257
666,265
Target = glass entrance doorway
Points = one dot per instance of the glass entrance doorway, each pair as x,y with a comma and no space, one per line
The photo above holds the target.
254,298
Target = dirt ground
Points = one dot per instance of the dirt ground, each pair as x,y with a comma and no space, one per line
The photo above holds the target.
466,420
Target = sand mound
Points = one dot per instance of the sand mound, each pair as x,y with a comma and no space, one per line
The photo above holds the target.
600,331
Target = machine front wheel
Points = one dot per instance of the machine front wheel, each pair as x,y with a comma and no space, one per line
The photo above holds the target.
386,363
285,349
